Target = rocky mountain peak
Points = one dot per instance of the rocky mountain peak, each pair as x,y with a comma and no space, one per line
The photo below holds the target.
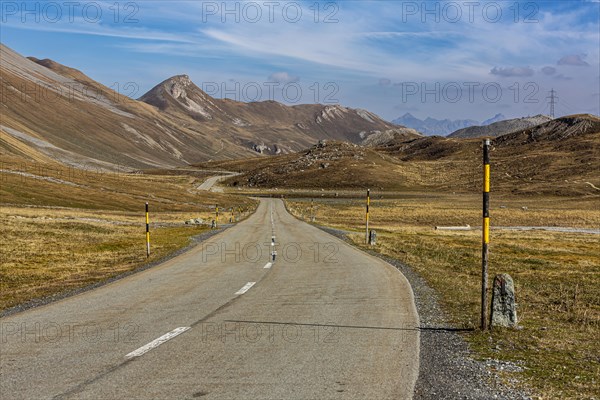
177,85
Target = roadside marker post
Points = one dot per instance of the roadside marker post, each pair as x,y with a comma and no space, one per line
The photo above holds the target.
485,239
217,216
367,216
147,232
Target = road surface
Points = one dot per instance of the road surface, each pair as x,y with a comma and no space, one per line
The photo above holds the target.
224,322
208,184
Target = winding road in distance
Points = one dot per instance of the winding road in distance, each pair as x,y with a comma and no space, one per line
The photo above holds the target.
209,184
324,321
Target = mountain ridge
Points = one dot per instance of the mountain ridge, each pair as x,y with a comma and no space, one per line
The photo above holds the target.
431,126
180,97
53,111
501,127
436,127
559,157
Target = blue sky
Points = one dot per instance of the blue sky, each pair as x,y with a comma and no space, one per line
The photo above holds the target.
447,59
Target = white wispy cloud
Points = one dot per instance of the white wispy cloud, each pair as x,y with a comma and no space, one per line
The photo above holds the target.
372,43
85,28
282,77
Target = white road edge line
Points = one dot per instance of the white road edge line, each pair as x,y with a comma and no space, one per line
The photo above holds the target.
269,265
246,287
157,342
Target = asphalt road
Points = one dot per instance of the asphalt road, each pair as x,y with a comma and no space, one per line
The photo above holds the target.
323,321
209,183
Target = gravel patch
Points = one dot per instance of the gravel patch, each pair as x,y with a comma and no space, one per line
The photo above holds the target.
195,240
447,370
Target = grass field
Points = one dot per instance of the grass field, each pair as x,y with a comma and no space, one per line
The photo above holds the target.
557,276
49,251
56,185
62,228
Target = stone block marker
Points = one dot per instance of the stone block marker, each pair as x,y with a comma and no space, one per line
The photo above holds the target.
372,237
504,305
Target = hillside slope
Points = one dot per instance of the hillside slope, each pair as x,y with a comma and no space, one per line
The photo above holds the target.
328,164
560,157
501,127
266,126
54,112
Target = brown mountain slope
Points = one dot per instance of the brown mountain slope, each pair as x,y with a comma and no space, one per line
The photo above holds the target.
267,126
79,122
63,70
578,127
52,110
500,128
329,164
397,134
564,154
559,157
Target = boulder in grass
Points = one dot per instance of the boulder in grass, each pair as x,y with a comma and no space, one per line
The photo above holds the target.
504,304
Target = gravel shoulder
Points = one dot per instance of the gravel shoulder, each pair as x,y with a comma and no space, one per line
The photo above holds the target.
447,370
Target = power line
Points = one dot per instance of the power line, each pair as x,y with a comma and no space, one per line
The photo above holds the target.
541,108
571,109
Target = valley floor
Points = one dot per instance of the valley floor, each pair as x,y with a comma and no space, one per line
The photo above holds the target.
49,250
75,228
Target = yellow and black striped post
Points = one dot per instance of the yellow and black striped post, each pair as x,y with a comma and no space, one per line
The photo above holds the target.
217,216
367,215
485,240
147,232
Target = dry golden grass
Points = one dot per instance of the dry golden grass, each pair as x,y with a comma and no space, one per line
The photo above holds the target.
49,251
62,228
53,184
454,209
557,276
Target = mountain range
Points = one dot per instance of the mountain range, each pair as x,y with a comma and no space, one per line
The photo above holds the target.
54,112
431,126
558,157
501,127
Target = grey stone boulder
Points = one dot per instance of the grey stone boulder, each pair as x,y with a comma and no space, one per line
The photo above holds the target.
504,304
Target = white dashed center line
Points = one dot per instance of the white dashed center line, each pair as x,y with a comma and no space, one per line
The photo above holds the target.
269,265
157,342
246,287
